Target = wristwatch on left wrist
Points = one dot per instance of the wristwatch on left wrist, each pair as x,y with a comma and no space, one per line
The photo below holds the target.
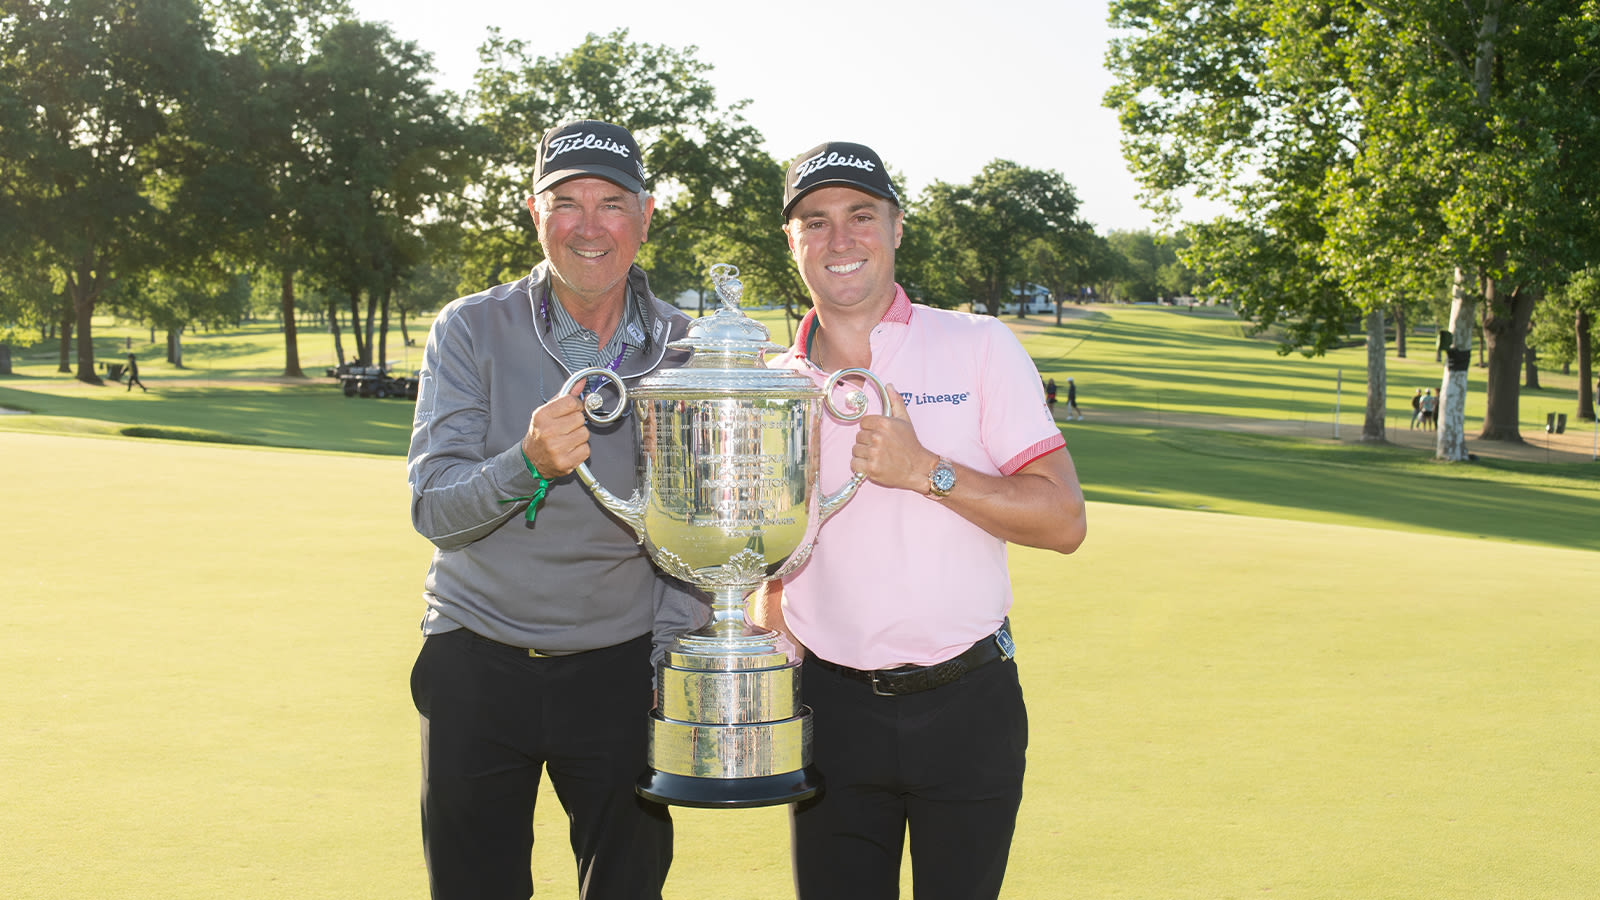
942,479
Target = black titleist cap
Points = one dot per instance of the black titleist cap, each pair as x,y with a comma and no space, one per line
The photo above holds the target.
588,148
837,162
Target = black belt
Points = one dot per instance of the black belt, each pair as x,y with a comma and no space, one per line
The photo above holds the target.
912,679
542,654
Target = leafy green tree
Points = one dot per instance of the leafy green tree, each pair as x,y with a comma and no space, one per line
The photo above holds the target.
1480,136
30,298
1243,102
385,151
1385,142
1273,282
982,231
1566,327
1102,265
96,106
267,102
173,301
1065,260
1148,266
1134,277
1174,276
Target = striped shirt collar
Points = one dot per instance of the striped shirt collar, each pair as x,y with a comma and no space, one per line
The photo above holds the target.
578,344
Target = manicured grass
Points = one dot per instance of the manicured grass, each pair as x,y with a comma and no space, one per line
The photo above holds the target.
1352,484
1233,691
1170,359
252,350
230,390
1123,357
315,416
1309,480
211,650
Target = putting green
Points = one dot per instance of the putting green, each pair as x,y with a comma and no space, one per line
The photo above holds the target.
210,649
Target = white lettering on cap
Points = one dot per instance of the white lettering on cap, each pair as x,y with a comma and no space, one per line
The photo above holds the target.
825,160
569,142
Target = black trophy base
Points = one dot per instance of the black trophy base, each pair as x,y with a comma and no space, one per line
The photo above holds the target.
730,793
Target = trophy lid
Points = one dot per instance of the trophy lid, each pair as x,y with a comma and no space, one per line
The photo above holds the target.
729,351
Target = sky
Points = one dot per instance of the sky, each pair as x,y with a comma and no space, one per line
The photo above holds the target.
938,88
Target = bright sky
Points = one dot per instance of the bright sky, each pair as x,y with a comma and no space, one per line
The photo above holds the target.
938,88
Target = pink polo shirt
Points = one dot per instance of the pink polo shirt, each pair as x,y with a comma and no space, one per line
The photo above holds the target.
895,577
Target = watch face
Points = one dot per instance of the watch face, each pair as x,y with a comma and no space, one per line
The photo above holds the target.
944,478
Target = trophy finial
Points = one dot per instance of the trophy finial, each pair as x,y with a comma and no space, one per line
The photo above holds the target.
729,288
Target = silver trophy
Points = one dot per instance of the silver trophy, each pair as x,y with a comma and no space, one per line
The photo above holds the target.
728,459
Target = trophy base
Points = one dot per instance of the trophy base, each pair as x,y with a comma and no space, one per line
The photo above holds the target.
730,793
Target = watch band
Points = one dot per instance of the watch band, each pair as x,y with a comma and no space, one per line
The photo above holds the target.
941,479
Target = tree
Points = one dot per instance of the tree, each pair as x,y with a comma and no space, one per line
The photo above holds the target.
29,296
384,152
269,46
1065,261
97,99
1417,137
982,231
1475,122
1566,327
173,301
1374,424
1241,102
1134,278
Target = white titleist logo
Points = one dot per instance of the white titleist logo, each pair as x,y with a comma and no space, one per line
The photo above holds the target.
824,160
570,142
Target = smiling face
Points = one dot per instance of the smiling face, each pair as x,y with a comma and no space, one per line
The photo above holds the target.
843,241
591,229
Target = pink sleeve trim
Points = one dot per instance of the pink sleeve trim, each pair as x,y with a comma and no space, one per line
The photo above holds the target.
1045,447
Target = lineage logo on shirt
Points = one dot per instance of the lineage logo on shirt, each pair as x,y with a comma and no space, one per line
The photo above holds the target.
916,399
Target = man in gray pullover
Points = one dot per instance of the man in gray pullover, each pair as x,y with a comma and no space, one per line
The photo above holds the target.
543,612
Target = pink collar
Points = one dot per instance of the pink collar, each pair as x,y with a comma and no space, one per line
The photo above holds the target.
898,313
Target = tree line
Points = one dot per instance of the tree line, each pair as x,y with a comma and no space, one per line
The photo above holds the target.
1382,157
176,161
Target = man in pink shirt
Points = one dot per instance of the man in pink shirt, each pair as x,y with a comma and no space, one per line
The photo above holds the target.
918,715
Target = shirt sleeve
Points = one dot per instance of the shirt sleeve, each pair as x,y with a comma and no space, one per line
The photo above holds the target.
457,485
1017,425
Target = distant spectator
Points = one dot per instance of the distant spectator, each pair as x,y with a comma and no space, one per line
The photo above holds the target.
1416,407
1072,401
1050,395
133,373
1430,410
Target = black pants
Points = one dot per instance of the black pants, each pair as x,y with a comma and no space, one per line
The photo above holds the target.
947,763
492,720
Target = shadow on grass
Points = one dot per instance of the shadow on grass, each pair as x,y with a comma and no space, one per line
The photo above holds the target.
185,434
311,417
1311,481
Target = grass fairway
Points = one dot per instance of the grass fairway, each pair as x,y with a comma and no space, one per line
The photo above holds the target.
211,646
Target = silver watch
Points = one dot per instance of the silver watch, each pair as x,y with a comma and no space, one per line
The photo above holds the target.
942,480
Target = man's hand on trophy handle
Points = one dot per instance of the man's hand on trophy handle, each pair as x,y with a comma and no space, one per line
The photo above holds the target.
558,435
887,450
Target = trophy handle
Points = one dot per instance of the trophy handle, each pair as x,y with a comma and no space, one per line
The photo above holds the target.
832,503
630,511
